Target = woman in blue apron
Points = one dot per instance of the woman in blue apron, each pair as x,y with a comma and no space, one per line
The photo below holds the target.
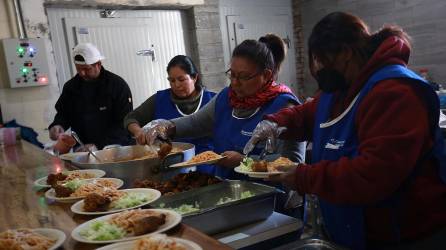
378,160
185,96
233,114
236,110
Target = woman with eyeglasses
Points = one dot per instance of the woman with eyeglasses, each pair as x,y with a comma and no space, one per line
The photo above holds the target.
185,97
231,116
378,161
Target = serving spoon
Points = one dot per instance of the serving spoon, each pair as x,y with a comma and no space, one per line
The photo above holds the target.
76,137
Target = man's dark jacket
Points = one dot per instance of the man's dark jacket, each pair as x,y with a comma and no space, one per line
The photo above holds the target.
95,110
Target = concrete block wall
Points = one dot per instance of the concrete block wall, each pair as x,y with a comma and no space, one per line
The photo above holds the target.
207,44
423,20
299,51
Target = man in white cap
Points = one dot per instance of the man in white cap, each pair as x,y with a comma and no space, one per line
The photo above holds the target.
93,103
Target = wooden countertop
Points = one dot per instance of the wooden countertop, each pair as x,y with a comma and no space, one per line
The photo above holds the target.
25,206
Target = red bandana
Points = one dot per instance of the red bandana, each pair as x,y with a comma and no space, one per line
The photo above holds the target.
264,95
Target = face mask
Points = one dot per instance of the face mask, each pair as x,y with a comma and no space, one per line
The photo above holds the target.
330,80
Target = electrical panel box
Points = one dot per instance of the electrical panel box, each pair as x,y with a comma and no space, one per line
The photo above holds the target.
26,61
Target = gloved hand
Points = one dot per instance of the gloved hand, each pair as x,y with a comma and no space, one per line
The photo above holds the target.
265,131
159,128
55,131
140,137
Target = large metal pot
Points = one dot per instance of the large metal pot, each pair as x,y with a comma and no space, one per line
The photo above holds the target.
152,168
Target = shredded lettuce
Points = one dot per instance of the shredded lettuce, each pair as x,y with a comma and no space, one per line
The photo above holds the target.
246,164
246,194
101,230
74,184
130,200
183,209
243,195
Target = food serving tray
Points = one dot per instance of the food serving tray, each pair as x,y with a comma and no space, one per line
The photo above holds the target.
139,166
212,218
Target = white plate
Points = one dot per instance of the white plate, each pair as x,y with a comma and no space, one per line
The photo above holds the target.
172,219
154,195
70,156
252,174
41,183
55,234
186,164
129,245
51,194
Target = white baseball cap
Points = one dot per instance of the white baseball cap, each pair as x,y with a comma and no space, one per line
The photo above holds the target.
89,52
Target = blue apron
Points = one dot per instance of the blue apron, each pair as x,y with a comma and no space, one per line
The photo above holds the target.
166,109
232,133
335,139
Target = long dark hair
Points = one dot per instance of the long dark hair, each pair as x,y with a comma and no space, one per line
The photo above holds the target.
339,30
186,64
267,53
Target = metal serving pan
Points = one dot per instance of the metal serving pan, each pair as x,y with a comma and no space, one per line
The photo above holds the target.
129,170
213,218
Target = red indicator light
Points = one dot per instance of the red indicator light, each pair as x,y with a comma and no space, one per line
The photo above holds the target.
43,79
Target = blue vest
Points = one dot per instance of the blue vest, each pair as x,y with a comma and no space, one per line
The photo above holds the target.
232,133
336,139
166,109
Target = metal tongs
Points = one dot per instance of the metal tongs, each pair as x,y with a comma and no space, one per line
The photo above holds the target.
162,140
162,153
76,137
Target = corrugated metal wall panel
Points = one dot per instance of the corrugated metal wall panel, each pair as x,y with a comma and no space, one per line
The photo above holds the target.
260,10
129,36
248,8
57,35
167,34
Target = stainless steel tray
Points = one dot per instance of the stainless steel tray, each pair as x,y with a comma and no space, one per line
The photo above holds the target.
147,168
213,218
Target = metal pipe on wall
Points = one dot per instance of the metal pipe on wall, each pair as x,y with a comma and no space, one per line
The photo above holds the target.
19,18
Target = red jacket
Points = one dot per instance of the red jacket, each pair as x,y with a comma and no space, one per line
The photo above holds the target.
393,132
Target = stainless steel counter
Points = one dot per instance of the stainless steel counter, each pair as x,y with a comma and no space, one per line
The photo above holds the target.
275,226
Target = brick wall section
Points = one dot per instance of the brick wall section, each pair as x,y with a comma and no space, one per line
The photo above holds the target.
299,45
207,44
423,20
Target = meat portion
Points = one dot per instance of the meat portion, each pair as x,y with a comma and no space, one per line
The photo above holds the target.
148,224
259,166
165,149
179,183
52,179
96,203
62,191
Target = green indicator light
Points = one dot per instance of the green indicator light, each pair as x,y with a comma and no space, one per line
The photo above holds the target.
21,50
25,70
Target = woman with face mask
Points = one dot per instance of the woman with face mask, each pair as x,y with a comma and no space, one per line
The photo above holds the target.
185,97
378,162
231,116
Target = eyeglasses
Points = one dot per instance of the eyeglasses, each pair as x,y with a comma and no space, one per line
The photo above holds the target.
239,78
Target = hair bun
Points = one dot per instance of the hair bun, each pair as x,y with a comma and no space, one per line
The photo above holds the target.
277,47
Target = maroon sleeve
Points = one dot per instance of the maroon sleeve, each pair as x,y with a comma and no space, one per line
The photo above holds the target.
298,120
393,132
